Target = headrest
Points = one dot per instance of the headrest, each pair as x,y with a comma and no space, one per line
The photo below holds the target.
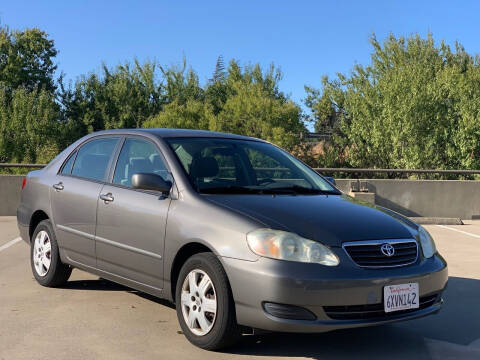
204,167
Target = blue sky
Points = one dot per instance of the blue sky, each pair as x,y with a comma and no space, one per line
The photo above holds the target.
306,39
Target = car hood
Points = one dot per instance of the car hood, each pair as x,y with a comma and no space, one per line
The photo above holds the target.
330,219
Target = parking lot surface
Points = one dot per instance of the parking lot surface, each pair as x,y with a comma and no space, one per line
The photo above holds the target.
91,318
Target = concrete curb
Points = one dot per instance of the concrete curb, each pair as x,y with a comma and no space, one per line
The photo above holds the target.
436,221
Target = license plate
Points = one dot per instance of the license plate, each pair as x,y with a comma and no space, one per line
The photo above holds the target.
400,297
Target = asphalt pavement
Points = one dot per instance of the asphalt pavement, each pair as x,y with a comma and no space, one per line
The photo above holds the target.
91,318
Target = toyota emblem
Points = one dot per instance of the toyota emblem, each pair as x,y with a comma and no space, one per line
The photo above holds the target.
387,250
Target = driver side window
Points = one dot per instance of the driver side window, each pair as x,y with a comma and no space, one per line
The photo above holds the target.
139,156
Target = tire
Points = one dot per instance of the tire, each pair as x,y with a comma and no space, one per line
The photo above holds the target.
44,251
223,329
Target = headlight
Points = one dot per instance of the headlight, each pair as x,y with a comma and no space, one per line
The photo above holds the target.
428,246
283,245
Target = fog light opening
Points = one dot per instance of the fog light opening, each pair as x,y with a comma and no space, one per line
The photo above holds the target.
290,312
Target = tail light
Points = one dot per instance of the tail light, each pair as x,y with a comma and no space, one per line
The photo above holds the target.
24,182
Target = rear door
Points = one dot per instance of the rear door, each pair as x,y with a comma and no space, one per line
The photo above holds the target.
131,223
74,197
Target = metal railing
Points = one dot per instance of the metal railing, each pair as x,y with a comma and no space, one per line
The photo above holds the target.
321,170
33,166
373,171
397,171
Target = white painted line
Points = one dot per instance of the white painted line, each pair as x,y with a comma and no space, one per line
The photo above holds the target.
460,231
10,243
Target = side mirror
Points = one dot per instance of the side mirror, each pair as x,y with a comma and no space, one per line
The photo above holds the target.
149,181
331,180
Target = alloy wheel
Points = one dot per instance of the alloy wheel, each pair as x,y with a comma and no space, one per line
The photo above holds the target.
199,302
42,253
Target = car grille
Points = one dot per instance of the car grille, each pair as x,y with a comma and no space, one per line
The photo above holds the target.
369,253
373,311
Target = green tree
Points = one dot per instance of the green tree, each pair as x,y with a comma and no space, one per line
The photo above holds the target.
26,59
217,90
253,112
414,106
123,97
40,115
181,84
325,112
219,73
192,114
243,101
255,106
29,126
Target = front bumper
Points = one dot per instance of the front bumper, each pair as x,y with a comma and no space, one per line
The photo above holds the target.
314,287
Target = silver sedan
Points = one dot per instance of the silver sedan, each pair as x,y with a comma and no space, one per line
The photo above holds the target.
237,232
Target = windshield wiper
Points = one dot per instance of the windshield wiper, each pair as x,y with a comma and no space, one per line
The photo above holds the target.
232,189
246,190
286,190
303,190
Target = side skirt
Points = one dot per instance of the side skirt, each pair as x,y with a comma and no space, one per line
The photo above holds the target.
117,279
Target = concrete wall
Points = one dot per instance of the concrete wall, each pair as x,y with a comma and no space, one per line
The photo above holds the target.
436,198
10,189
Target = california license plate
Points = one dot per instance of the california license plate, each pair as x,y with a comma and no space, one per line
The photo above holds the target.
401,297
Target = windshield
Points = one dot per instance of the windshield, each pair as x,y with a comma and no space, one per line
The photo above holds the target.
221,166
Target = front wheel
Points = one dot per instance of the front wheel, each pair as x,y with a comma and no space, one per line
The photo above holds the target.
204,303
47,267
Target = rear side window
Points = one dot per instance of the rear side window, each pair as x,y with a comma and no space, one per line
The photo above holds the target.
67,168
93,158
139,156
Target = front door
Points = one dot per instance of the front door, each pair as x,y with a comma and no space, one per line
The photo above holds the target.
131,223
74,195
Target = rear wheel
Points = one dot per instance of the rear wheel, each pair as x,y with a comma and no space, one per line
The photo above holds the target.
47,267
204,303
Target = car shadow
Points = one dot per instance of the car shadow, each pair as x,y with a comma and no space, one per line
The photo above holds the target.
153,298
383,342
107,285
96,285
458,322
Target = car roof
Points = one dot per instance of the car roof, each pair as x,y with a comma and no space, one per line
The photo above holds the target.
168,133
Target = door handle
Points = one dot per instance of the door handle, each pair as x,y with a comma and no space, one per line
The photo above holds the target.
107,197
59,186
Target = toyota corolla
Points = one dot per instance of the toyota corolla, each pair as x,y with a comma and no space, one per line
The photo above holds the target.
238,233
